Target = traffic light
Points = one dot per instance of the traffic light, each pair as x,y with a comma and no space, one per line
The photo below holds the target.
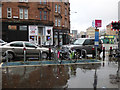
49,31
48,38
115,25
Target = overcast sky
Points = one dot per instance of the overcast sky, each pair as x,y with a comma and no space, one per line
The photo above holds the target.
89,10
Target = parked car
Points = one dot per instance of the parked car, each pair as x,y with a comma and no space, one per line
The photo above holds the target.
86,44
15,49
2,42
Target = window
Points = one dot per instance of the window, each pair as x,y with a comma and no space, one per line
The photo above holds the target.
56,8
9,13
19,44
23,0
87,42
40,15
65,23
45,15
59,8
0,12
30,45
59,22
65,12
45,2
25,13
21,13
20,0
55,21
40,1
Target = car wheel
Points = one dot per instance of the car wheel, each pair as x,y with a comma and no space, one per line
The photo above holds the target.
10,56
44,55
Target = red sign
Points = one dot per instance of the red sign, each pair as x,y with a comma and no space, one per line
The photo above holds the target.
98,23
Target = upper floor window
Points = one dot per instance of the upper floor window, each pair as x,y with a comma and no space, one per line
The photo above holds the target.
45,15
55,7
23,0
25,13
40,1
65,12
0,12
9,13
45,2
59,22
40,15
21,13
56,21
59,8
65,23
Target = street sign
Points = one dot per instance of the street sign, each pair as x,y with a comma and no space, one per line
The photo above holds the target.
96,34
98,23
96,37
96,43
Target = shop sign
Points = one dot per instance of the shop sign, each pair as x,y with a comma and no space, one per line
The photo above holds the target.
33,30
23,27
12,27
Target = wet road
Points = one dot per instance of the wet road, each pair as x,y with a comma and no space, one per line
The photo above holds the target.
62,76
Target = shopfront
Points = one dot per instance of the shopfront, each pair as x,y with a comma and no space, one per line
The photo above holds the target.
39,35
61,37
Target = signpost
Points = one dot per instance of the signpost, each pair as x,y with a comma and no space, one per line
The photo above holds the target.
97,23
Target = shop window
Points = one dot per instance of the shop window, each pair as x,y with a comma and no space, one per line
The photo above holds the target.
9,13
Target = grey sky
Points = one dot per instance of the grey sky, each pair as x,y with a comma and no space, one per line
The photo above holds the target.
89,10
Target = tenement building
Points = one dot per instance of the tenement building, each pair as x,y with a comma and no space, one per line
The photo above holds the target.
42,22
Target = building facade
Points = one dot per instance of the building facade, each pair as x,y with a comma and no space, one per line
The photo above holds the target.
43,23
90,32
110,36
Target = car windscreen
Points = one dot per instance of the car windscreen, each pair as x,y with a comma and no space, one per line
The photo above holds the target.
1,41
78,41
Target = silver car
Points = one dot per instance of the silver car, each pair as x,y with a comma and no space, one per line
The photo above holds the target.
16,49
2,42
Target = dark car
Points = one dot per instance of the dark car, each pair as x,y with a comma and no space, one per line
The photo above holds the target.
85,44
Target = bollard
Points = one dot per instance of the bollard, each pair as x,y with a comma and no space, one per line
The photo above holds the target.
110,52
103,53
40,55
49,53
93,52
24,50
7,56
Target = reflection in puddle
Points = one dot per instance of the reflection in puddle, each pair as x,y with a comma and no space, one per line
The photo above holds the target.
57,76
